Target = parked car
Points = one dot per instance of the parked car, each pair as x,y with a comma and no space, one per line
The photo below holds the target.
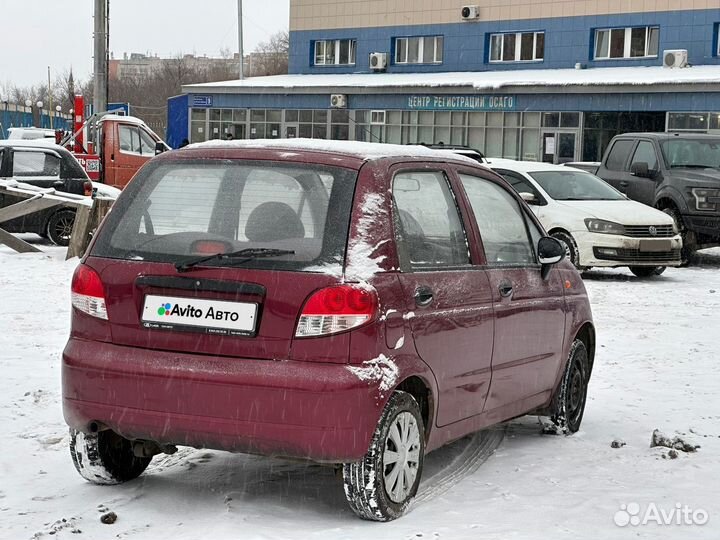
598,225
44,165
461,150
678,173
30,134
347,303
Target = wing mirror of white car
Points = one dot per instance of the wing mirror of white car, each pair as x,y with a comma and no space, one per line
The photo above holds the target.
550,252
528,197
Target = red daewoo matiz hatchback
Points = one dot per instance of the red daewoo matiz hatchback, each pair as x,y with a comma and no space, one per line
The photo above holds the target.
348,303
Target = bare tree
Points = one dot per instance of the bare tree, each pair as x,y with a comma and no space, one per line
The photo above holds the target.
271,57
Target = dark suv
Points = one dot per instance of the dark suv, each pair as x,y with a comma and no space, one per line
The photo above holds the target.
43,165
348,303
677,173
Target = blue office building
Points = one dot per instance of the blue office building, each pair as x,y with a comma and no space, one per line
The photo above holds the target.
522,79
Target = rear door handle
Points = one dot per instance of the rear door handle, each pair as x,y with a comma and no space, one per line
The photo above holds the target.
423,296
624,184
506,289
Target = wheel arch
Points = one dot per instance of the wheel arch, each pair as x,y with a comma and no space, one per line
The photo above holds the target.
420,389
586,334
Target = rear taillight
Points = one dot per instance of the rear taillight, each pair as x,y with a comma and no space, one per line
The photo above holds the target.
87,292
337,309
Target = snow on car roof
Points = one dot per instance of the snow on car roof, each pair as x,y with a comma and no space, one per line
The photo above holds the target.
485,80
31,143
363,150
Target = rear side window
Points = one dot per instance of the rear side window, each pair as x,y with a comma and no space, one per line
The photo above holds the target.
183,210
35,164
619,154
430,233
501,221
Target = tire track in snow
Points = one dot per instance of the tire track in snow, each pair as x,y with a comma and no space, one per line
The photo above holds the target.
478,449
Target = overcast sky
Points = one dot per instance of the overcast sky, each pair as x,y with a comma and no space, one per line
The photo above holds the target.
58,33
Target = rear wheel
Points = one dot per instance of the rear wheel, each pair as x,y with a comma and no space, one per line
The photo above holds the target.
688,237
569,405
105,458
571,250
647,271
60,227
381,485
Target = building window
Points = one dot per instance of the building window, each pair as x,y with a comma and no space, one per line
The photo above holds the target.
636,42
518,47
335,52
419,50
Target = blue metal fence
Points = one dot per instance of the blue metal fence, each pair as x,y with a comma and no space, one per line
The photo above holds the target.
19,116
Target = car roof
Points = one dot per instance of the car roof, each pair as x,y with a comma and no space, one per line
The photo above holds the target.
668,135
32,143
526,166
361,150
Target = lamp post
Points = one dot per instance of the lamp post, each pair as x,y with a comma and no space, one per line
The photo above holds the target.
58,110
28,105
40,105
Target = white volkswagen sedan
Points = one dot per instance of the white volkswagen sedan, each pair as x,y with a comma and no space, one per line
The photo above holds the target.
598,225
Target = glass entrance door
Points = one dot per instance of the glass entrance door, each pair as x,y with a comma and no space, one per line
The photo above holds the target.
559,146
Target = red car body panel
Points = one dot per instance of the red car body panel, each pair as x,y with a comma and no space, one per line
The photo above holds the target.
482,359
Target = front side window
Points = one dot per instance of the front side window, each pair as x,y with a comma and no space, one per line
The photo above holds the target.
35,164
134,140
519,183
419,50
517,47
501,221
633,42
429,230
335,52
645,153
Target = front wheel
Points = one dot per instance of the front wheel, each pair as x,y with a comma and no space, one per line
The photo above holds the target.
571,250
569,405
105,458
381,485
647,271
60,227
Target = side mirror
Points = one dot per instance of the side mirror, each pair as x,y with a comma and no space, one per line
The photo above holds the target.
159,147
528,197
550,252
641,169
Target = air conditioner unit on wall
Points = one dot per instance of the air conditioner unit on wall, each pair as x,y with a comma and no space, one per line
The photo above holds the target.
675,58
378,61
470,13
338,101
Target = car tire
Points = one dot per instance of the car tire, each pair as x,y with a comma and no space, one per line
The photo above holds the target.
376,488
688,237
569,404
571,250
647,271
105,458
60,226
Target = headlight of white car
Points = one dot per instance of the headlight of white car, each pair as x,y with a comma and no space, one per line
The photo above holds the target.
604,227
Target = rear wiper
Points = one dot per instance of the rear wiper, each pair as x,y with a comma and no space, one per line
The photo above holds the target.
237,257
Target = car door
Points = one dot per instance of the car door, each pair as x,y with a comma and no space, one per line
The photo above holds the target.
529,310
135,148
448,299
640,188
615,170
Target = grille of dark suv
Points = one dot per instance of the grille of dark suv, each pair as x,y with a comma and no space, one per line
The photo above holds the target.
643,231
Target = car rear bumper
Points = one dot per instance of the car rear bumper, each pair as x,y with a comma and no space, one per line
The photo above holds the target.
610,250
315,411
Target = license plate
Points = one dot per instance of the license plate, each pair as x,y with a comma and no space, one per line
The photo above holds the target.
197,315
655,245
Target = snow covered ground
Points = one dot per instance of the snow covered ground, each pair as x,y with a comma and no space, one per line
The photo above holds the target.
657,366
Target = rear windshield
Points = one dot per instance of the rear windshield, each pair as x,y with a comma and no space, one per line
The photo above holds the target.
173,212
